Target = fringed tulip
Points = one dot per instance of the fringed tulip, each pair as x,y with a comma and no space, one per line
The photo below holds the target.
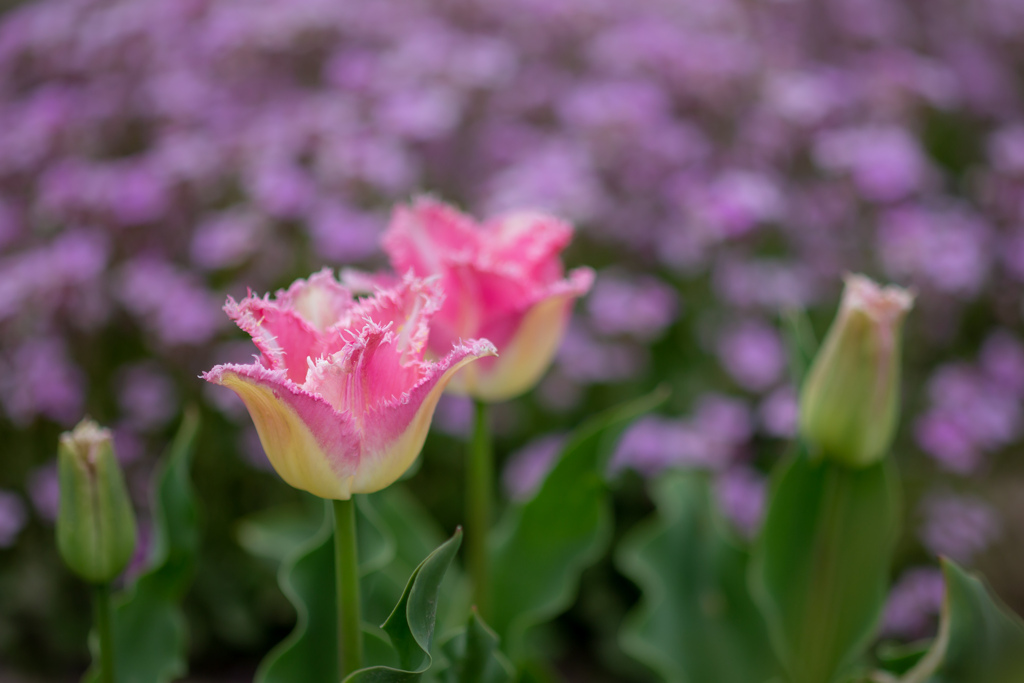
342,396
849,404
503,280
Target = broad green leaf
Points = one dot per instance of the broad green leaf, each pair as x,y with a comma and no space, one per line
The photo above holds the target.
540,547
150,638
821,564
275,534
697,621
979,641
309,653
474,657
411,624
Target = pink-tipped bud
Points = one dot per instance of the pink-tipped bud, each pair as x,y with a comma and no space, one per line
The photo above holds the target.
96,523
849,405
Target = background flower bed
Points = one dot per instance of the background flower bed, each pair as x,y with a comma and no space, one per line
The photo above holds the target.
724,162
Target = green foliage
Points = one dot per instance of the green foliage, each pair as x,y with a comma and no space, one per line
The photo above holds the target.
309,653
541,546
394,535
979,641
697,621
149,626
474,656
821,564
411,624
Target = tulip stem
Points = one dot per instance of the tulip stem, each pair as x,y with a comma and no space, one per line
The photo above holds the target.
346,570
105,631
479,485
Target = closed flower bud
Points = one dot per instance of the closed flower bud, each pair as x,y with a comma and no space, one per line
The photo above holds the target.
849,405
96,524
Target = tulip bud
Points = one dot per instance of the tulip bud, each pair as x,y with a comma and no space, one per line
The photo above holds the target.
96,524
849,404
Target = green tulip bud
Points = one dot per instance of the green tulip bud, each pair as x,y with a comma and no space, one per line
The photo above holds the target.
96,524
849,405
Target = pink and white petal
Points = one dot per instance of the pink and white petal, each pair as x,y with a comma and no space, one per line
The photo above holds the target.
528,243
396,431
475,300
366,373
321,300
285,339
425,236
312,446
529,352
407,308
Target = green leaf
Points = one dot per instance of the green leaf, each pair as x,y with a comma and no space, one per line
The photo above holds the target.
411,624
474,657
541,547
150,638
697,621
309,653
979,641
821,564
898,658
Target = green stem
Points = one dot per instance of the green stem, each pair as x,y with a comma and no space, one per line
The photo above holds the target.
346,571
105,631
479,484
820,616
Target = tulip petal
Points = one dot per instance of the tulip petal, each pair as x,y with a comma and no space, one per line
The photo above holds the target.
530,349
310,444
284,338
394,437
527,245
321,300
422,237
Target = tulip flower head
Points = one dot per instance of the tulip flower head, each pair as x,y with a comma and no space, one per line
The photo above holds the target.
504,281
341,394
849,405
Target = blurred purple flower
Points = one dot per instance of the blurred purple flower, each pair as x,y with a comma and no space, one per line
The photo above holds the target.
13,517
946,249
940,435
527,467
147,397
741,493
886,163
723,419
44,490
653,444
171,304
343,234
912,610
958,527
226,239
40,380
1002,359
641,306
780,412
454,415
584,358
753,354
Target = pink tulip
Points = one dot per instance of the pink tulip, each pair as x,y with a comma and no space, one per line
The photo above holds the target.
503,280
341,396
